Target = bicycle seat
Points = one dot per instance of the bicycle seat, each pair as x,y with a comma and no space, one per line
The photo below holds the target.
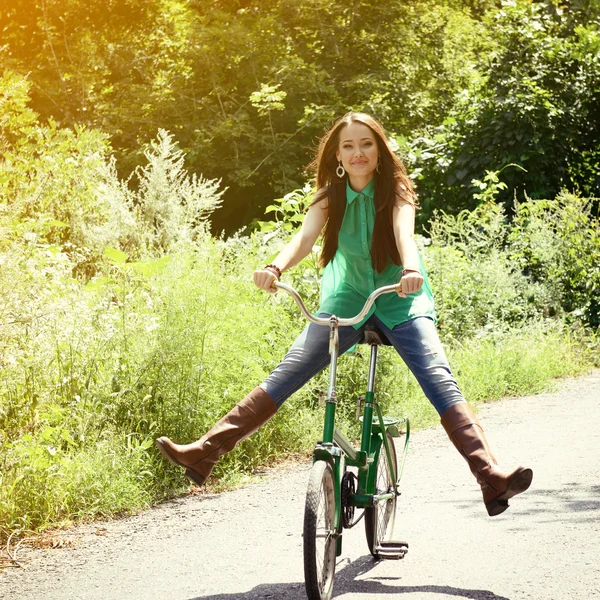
374,337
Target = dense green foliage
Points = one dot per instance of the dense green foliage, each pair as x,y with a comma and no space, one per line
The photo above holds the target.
130,129
122,318
248,87
536,107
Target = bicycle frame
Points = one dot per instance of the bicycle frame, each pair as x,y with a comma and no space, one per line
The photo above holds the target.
335,447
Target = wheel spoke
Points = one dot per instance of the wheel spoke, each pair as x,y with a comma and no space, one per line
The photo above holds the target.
379,520
383,486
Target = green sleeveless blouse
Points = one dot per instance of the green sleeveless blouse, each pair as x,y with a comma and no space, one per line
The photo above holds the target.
350,278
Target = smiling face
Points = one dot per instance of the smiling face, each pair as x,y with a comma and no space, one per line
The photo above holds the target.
358,153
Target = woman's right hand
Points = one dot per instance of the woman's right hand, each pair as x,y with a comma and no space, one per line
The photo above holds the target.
265,280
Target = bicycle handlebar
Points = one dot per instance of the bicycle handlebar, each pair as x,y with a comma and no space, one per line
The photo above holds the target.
386,289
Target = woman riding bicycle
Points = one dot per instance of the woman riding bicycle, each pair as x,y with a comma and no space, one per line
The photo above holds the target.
365,209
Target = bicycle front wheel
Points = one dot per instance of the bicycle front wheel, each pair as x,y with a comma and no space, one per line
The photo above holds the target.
379,519
319,532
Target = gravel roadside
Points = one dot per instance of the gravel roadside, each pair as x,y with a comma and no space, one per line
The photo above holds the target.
247,544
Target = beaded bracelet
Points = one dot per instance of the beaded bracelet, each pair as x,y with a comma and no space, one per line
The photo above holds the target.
276,270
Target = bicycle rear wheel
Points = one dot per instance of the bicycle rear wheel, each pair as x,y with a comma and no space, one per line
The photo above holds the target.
319,533
379,519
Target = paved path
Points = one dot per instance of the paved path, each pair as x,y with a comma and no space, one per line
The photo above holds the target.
247,544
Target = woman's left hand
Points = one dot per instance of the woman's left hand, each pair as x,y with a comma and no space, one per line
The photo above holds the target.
411,282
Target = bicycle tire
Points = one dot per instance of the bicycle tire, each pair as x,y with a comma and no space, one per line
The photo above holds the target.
319,532
379,519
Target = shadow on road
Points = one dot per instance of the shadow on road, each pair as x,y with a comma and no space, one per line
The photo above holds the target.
347,582
570,500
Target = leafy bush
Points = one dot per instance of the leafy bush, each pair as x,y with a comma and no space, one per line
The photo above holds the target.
534,106
476,285
57,186
557,243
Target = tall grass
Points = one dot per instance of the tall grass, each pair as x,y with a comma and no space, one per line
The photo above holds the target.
520,361
170,353
114,331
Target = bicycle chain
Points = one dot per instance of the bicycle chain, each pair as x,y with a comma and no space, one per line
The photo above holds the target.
348,488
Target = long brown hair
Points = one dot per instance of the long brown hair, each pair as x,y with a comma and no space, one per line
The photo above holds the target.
391,182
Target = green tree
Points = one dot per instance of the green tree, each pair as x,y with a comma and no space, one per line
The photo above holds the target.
57,185
204,72
537,107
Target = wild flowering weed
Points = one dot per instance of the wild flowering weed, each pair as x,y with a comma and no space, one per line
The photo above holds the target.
119,326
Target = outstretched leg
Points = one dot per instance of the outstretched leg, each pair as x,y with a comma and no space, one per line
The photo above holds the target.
308,356
199,458
419,345
497,485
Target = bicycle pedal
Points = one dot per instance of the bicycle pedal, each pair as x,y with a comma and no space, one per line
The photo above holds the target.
391,550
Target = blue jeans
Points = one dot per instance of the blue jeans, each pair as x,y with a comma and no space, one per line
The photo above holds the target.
416,341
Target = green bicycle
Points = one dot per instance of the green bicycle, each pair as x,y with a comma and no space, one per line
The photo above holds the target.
335,492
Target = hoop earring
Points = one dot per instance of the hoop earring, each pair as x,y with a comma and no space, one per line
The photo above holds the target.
378,165
340,171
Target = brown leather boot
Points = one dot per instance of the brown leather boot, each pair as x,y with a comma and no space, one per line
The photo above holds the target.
497,486
199,458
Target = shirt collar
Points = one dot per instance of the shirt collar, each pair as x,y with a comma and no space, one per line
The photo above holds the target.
369,191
